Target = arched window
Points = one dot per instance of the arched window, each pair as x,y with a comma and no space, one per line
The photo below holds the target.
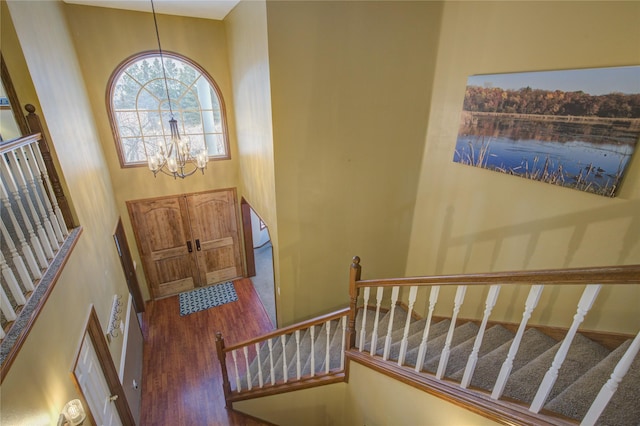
139,107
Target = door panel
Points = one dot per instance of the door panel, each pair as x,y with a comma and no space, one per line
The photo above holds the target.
162,233
94,386
165,228
96,377
214,223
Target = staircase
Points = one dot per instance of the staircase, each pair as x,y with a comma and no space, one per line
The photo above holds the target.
585,370
518,373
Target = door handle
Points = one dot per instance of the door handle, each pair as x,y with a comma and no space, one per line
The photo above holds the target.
198,245
189,247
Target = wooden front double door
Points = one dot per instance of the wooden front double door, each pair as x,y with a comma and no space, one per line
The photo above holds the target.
187,241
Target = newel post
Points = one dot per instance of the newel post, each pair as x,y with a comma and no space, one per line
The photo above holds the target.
35,126
226,386
354,277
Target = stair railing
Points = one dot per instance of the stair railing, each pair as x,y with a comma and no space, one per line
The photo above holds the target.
35,234
272,363
363,338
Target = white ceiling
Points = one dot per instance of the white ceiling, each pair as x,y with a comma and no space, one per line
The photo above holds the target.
208,9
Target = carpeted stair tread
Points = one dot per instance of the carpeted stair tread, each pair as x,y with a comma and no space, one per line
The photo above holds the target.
583,354
335,349
371,313
370,325
305,350
320,346
493,338
266,363
416,328
623,408
461,334
533,344
436,331
434,347
399,318
398,330
576,399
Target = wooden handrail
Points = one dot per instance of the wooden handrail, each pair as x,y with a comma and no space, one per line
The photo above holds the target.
626,274
290,329
19,142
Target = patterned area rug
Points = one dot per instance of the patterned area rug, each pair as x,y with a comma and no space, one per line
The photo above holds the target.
207,297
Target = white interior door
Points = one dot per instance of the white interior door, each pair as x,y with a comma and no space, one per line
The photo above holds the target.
94,386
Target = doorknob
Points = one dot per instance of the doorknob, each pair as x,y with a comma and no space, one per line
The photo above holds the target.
113,398
189,246
198,245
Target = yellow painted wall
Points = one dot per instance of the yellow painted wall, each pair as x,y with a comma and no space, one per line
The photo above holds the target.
103,38
350,89
21,80
38,384
320,406
246,29
473,220
370,399
374,399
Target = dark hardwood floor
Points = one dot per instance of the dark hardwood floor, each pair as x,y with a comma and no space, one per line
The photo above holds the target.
182,382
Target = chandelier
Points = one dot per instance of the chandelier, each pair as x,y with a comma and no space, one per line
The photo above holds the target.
174,157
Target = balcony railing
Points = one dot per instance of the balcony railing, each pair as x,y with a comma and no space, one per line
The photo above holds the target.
34,234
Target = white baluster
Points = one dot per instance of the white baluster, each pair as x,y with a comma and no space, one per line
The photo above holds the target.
285,373
609,388
26,249
260,379
33,239
21,183
245,350
273,370
17,259
327,359
374,333
344,338
5,306
313,351
298,354
586,301
422,351
507,365
444,357
387,340
2,335
235,367
7,273
492,297
56,209
30,178
413,293
367,291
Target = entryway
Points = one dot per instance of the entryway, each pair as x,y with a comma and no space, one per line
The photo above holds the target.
260,268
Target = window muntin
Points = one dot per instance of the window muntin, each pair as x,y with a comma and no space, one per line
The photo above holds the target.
139,108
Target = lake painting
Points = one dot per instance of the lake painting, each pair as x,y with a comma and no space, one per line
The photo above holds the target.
573,128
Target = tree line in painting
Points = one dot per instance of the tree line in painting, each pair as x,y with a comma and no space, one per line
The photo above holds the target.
546,102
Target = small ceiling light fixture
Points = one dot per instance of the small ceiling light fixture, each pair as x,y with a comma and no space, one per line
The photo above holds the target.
174,157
